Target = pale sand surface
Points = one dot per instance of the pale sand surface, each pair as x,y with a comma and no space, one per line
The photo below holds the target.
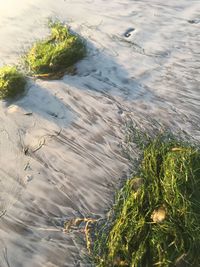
73,128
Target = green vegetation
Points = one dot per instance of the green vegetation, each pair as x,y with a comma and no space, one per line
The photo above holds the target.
12,82
156,219
55,54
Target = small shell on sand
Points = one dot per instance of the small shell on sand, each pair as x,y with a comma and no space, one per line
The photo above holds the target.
17,109
28,178
159,215
14,109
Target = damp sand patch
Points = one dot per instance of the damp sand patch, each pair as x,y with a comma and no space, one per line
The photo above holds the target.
156,216
12,82
56,54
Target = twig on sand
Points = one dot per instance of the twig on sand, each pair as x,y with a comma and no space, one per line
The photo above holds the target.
76,223
6,256
3,213
41,144
49,229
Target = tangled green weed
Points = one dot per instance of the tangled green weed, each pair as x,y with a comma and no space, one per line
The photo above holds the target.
157,214
12,82
56,53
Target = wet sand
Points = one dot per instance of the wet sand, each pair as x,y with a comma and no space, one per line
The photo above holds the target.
60,144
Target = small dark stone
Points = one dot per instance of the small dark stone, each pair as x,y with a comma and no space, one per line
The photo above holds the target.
128,32
193,21
25,150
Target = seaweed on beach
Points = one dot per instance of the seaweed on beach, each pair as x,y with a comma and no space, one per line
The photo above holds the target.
12,82
156,218
55,54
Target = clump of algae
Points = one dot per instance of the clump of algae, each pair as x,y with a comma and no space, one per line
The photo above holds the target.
12,82
56,53
157,214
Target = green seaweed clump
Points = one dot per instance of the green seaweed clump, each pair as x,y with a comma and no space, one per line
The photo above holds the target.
157,214
55,54
12,82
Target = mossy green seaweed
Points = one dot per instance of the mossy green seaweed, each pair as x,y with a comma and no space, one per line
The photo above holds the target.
156,218
56,53
12,82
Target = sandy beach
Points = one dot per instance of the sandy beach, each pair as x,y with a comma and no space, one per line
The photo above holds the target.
60,144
